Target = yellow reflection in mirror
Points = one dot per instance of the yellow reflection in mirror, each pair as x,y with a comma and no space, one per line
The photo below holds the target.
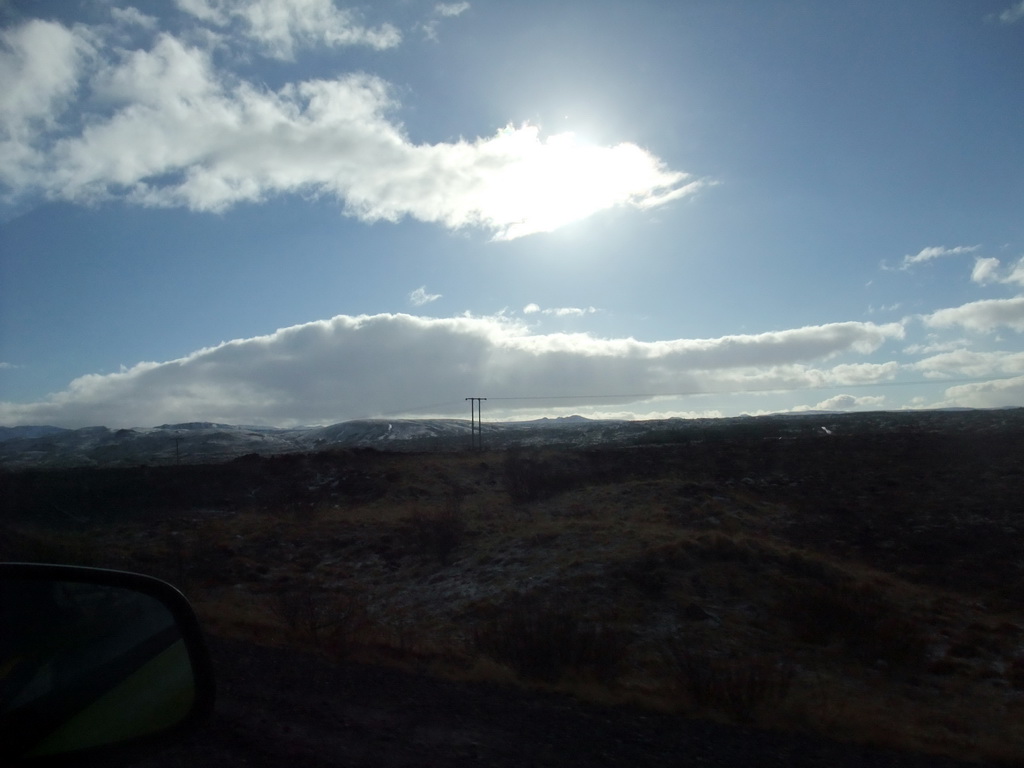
157,696
86,665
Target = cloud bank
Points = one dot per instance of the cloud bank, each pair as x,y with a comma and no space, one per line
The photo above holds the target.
351,367
165,124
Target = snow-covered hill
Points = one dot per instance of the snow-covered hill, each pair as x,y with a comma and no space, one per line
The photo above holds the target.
22,447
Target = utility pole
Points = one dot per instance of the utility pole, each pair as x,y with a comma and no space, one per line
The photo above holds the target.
476,434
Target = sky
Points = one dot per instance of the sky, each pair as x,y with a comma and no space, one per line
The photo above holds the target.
299,212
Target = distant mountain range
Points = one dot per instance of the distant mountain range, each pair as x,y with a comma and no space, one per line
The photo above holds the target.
203,442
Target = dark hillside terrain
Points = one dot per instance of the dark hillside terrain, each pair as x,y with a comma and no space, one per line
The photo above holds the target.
854,577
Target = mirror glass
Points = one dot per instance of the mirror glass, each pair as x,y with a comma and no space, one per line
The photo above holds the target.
85,665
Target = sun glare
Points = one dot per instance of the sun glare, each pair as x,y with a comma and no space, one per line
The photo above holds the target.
547,183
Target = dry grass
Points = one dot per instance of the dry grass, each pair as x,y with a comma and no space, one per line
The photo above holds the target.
643,584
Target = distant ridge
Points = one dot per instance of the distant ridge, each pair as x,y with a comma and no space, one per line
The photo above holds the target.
558,419
206,442
197,425
13,433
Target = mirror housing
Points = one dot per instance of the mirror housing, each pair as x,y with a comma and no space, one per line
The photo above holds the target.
96,666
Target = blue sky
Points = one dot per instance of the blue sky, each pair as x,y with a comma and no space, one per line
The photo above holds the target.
291,212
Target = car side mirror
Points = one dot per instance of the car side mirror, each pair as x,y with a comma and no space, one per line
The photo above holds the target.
95,665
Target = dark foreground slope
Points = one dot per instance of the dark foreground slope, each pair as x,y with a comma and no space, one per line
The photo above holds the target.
280,708
855,578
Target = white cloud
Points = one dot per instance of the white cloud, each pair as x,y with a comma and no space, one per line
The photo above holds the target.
886,308
533,309
348,367
1013,14
177,131
1016,274
936,252
985,271
419,297
982,316
131,16
844,403
989,270
860,373
442,11
986,394
965,363
934,346
280,26
451,9
39,72
655,409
